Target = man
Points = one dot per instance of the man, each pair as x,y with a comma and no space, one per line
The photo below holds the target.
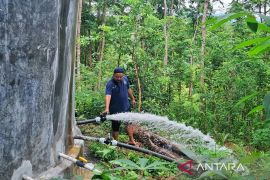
116,100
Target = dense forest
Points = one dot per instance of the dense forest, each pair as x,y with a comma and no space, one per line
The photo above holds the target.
184,60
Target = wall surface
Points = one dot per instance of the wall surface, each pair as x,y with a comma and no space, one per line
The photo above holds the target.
37,40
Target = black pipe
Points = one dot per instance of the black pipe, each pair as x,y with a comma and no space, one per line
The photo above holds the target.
86,121
98,119
146,151
116,143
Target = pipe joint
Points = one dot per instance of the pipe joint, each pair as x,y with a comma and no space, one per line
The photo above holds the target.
114,143
103,117
98,119
102,140
79,163
107,141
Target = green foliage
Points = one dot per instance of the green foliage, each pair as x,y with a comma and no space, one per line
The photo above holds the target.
261,139
227,105
262,44
212,175
231,105
89,103
227,19
143,165
256,162
104,152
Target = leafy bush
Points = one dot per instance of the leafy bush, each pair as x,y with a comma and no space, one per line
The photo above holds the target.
89,100
104,152
261,139
142,166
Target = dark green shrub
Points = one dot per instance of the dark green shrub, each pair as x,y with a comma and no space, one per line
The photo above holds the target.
261,139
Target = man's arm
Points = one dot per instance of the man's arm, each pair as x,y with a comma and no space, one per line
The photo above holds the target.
130,94
107,103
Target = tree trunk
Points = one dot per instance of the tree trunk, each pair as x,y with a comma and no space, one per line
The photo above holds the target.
171,8
165,34
264,7
260,9
101,47
78,34
190,89
102,41
205,10
100,61
134,59
139,87
119,55
90,60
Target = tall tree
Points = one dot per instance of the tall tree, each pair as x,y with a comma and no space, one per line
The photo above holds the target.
166,36
101,44
90,60
78,34
191,60
204,17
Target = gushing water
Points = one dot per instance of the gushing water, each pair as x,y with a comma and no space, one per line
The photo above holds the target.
179,133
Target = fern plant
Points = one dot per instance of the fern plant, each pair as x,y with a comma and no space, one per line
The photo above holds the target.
142,166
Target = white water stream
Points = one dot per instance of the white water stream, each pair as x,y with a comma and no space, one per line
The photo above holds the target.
185,136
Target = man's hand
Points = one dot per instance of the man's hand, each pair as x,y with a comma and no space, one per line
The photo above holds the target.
105,112
133,101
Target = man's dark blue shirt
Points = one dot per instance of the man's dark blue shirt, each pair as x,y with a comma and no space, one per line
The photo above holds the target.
119,95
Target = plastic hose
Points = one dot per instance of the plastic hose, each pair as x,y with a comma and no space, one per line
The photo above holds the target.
86,121
146,151
99,119
131,147
79,163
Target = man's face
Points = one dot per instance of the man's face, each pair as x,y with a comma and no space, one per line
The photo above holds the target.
118,76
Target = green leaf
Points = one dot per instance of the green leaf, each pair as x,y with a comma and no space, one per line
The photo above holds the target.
143,162
157,165
246,98
104,152
252,23
125,163
256,109
260,48
266,123
252,158
231,17
211,174
250,42
264,27
105,176
225,138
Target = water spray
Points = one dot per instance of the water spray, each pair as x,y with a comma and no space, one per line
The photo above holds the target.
179,132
